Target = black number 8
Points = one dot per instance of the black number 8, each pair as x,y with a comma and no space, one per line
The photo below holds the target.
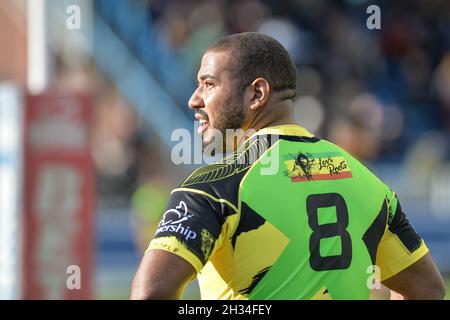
338,228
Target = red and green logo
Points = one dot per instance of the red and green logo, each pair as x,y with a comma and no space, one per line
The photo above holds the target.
302,167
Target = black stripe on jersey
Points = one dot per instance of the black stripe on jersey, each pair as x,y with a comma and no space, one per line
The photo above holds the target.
374,233
299,139
250,220
400,226
256,279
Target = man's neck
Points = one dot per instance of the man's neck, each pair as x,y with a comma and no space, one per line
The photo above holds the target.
275,114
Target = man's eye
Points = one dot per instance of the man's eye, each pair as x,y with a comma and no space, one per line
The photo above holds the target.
208,84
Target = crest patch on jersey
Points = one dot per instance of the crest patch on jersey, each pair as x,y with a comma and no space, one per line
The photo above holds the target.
302,167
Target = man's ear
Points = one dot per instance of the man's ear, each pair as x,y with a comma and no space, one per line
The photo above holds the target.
260,89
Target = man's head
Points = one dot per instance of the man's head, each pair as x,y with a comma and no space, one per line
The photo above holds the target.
238,75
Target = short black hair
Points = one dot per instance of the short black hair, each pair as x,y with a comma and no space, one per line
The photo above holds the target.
255,55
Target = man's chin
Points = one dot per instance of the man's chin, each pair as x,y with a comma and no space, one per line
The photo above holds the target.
212,141
206,143
207,138
222,141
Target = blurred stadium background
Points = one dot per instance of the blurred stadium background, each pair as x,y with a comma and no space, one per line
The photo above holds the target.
87,110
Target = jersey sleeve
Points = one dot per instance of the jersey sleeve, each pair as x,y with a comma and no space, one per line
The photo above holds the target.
400,245
189,228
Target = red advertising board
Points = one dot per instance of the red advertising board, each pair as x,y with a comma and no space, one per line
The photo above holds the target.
59,187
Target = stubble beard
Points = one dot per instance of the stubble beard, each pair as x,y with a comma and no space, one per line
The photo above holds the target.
231,118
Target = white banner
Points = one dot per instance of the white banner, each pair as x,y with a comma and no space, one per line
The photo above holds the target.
11,149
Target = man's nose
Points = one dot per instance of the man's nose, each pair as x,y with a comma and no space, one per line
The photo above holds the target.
196,101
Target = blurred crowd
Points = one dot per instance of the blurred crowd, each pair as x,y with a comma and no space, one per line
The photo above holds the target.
372,91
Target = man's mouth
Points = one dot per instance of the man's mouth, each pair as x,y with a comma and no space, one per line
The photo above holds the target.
203,123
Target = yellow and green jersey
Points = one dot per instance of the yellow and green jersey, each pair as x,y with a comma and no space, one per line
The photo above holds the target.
289,216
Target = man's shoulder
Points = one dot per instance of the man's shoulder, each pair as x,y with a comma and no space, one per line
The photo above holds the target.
229,169
221,180
334,156
216,174
216,184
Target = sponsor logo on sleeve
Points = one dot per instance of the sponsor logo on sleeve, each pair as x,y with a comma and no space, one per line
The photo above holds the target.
173,220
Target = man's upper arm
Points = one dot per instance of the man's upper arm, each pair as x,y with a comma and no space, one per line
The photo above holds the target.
183,243
162,276
189,227
421,280
400,245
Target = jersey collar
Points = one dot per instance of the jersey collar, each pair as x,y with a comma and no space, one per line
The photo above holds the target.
286,130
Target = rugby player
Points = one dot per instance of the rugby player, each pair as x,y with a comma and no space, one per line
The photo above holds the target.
314,229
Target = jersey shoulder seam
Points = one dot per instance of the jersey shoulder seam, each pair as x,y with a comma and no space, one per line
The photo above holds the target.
208,195
229,166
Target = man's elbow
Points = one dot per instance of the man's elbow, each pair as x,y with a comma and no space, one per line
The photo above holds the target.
147,296
151,294
438,290
435,290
